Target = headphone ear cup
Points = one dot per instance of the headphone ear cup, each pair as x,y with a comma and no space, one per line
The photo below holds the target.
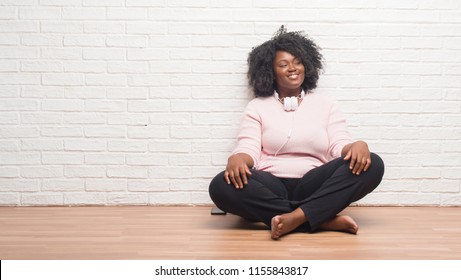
287,104
294,103
290,103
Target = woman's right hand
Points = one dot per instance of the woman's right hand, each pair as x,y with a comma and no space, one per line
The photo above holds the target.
237,170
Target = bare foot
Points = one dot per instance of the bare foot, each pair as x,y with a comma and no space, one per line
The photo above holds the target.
283,224
341,223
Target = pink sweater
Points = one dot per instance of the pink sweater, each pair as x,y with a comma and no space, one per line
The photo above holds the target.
318,135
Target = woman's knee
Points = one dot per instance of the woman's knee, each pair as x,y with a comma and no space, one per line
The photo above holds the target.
217,188
377,165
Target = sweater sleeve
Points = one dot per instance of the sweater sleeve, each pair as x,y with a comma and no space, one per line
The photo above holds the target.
338,134
249,136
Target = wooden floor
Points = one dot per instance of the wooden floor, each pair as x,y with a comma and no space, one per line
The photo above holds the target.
147,232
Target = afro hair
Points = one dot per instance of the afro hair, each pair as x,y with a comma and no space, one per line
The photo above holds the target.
260,61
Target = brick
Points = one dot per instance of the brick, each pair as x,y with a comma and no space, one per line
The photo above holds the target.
41,172
92,198
126,13
61,3
63,79
84,40
19,79
104,159
156,67
41,66
40,13
149,106
8,13
148,132
184,132
148,80
42,40
103,54
127,146
127,172
22,185
84,172
61,53
62,105
85,67
167,172
42,92
8,66
127,93
147,28
145,3
189,28
106,27
9,118
9,172
61,131
450,199
127,67
9,199
163,146
61,27
170,119
128,119
85,118
63,185
103,3
41,118
190,160
215,118
146,159
210,146
83,13
181,92
105,185
206,172
45,199
105,80
440,186
148,185
85,92
438,5
62,158
206,105
19,26
85,145
105,132
169,41
19,158
200,198
189,185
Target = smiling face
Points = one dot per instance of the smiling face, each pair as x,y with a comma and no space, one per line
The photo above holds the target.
289,74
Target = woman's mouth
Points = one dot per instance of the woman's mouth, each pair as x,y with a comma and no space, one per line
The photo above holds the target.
293,76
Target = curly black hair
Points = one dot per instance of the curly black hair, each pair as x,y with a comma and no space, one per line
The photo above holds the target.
260,61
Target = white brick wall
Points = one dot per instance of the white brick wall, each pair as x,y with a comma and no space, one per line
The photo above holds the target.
138,101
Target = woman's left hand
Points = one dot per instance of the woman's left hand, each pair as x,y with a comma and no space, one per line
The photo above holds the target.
359,156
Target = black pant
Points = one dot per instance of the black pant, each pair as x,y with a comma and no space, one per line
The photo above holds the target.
321,193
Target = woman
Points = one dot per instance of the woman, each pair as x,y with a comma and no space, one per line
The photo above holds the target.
295,166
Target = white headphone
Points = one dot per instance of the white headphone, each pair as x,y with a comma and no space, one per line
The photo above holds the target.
290,103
